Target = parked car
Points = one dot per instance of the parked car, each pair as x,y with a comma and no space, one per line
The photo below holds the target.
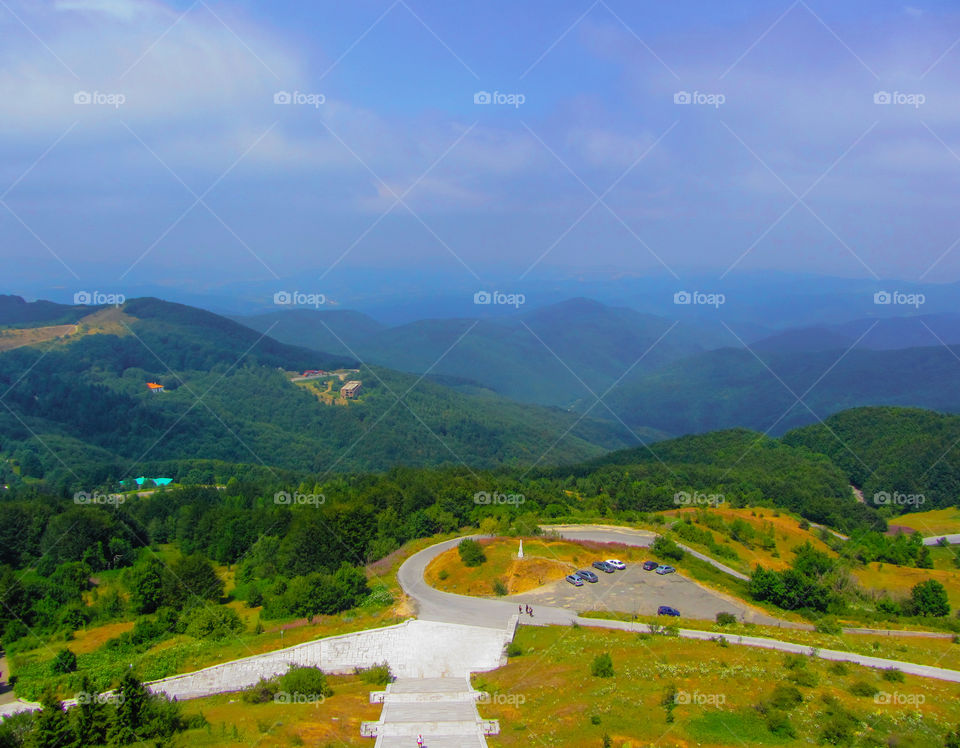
664,569
587,576
666,610
650,565
603,566
575,580
616,564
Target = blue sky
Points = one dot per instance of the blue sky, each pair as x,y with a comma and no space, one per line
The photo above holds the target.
183,169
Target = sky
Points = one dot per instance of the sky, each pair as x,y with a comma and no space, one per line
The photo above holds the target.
199,143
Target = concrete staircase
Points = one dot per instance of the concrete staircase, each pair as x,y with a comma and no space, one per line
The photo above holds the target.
443,710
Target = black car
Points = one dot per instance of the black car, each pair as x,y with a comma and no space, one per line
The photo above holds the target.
666,610
604,566
650,565
587,576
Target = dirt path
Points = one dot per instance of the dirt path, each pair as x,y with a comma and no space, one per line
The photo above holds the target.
6,692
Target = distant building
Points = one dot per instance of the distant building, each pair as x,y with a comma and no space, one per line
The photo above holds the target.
351,389
315,373
154,387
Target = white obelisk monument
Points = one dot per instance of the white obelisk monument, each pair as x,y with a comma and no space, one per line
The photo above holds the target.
520,552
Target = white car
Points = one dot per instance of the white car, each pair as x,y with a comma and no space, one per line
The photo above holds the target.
616,564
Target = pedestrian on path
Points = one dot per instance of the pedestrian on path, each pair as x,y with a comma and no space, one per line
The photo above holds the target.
520,608
420,741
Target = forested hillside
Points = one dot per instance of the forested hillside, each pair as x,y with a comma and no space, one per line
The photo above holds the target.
892,450
80,411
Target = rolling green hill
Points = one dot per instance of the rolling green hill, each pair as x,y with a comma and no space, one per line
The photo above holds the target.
904,451
81,410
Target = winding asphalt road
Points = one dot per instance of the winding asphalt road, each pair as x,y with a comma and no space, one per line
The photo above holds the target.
434,605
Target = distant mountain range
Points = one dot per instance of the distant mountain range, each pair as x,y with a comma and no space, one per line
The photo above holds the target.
672,376
558,355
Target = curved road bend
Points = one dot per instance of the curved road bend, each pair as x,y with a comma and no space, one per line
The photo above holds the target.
434,605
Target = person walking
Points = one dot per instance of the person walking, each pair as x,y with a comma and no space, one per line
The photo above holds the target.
420,741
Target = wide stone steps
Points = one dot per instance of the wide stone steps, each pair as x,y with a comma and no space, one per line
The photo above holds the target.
433,741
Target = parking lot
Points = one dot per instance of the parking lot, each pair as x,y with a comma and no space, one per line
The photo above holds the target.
634,590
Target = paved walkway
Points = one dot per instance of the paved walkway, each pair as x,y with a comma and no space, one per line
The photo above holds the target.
442,710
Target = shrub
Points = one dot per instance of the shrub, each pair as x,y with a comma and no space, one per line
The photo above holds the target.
64,662
839,668
379,675
499,588
828,625
894,675
594,719
665,547
725,619
212,622
778,723
262,693
442,574
804,677
785,697
471,553
862,688
602,666
929,598
514,650
305,680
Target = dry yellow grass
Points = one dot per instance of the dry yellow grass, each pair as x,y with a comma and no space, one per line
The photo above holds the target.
336,721
898,580
934,522
786,530
110,321
17,338
544,561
